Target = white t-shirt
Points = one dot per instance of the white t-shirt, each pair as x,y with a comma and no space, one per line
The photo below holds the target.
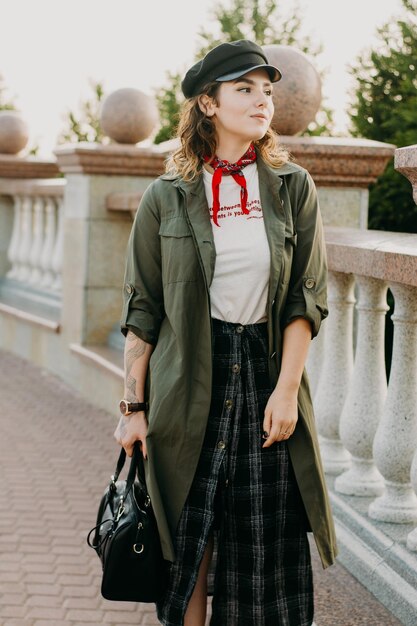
239,289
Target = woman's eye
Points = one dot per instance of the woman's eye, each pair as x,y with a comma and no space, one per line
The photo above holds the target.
268,92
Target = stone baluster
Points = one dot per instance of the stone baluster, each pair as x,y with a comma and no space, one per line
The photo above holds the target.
367,392
13,250
49,244
396,437
25,243
37,241
336,371
58,248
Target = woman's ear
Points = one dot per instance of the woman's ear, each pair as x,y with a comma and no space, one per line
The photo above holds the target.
207,105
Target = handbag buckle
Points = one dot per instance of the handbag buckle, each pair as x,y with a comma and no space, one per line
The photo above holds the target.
113,485
121,509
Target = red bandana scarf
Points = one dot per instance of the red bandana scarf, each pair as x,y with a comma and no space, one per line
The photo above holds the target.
232,169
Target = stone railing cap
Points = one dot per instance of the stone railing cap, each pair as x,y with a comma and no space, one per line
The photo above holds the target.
406,157
12,166
342,144
332,161
33,187
379,254
114,159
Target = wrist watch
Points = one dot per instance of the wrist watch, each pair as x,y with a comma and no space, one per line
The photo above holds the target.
126,408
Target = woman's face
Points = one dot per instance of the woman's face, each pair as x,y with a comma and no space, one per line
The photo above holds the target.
244,107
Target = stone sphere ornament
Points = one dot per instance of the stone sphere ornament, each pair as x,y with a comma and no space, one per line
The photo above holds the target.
14,132
128,115
297,96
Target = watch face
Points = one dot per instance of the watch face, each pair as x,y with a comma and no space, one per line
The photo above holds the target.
123,407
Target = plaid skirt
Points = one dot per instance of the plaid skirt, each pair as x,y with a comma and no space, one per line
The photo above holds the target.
248,497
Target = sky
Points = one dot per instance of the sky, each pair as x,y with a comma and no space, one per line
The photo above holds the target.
50,50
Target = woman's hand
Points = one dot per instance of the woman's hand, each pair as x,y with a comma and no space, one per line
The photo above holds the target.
132,428
281,415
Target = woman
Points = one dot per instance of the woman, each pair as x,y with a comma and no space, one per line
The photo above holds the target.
225,286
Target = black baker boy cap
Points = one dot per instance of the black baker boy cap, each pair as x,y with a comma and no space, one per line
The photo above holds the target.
227,61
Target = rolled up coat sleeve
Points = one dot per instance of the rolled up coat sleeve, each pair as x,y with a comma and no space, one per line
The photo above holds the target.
143,308
307,292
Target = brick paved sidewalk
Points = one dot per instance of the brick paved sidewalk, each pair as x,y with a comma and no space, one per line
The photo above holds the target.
56,455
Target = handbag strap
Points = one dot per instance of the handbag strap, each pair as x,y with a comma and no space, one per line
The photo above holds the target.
136,462
136,467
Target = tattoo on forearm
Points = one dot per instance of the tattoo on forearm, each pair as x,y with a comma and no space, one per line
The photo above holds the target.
135,350
130,388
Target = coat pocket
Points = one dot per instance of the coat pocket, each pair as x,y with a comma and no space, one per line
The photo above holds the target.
178,254
175,227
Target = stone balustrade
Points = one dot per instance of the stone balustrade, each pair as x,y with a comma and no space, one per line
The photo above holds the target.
376,425
368,427
35,248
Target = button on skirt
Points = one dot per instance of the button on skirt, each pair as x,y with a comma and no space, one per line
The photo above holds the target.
247,496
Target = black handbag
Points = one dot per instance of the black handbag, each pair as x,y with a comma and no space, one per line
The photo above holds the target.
126,537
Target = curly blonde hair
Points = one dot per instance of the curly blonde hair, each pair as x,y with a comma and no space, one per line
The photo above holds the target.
197,134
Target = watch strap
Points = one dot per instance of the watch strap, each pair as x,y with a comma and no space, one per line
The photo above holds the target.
137,406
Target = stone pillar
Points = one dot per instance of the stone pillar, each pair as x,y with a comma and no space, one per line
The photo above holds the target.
396,437
336,371
343,169
367,391
96,237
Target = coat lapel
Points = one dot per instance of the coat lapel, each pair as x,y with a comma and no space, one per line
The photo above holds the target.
274,218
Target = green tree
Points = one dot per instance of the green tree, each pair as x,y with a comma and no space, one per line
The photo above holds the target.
385,109
85,125
258,20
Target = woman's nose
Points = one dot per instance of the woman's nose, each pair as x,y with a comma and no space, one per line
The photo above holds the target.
261,100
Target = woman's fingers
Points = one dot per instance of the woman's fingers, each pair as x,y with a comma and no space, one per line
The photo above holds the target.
128,446
128,431
267,423
279,431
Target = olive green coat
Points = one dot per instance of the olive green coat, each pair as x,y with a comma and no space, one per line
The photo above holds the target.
169,268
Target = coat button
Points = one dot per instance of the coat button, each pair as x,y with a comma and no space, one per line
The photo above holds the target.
239,329
221,445
129,288
236,368
309,283
229,404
